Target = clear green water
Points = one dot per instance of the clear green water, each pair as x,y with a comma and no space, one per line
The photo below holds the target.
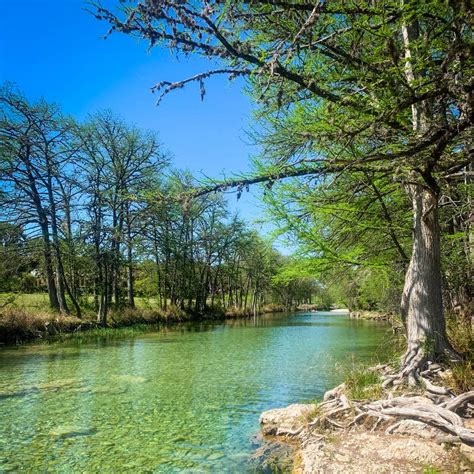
181,399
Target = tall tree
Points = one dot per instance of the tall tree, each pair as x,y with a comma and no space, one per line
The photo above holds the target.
382,86
120,163
36,152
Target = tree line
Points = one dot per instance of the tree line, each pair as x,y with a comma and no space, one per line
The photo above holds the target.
96,210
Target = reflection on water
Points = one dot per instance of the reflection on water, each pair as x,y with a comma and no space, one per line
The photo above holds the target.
186,398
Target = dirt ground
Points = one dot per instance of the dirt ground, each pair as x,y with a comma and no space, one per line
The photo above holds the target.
413,447
364,452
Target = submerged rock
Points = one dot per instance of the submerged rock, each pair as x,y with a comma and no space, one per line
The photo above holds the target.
286,421
71,431
130,378
272,455
54,385
215,456
57,384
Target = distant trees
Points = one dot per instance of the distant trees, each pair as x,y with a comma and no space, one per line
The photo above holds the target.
353,231
83,191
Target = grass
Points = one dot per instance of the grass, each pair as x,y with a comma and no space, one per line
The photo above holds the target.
18,325
26,301
40,302
363,383
461,378
430,470
460,335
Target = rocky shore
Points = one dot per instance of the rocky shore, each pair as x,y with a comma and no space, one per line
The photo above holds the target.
371,315
417,431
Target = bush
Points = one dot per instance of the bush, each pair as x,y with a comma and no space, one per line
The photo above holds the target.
20,324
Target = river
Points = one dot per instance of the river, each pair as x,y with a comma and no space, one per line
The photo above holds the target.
185,398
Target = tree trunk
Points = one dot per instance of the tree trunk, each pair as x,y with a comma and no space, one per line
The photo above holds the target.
104,293
422,303
130,288
43,222
422,306
48,265
60,278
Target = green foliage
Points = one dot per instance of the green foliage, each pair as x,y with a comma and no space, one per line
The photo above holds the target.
18,257
363,383
430,470
123,225
462,376
460,333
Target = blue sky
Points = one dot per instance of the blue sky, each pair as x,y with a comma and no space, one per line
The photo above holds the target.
55,49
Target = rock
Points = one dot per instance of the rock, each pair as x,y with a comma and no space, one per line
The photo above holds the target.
467,452
131,378
374,453
71,431
413,427
286,421
215,456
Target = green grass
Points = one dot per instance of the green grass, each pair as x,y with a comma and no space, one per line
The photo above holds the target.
103,333
29,301
430,470
38,302
363,384
462,376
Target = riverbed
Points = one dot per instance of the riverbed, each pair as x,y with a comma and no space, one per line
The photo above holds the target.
185,398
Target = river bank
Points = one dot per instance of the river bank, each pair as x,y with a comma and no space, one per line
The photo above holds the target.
18,325
391,432
373,315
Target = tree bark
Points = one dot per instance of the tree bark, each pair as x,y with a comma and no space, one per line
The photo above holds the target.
48,265
43,222
130,278
60,278
104,293
422,305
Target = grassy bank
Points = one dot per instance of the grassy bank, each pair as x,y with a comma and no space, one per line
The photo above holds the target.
27,317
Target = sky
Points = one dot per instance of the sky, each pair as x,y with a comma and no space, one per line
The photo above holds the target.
55,49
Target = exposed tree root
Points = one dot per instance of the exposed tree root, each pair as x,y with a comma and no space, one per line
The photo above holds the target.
437,408
459,401
416,367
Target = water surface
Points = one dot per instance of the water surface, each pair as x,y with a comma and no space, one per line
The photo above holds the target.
186,398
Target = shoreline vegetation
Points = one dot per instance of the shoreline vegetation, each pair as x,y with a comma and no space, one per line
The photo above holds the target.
22,325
